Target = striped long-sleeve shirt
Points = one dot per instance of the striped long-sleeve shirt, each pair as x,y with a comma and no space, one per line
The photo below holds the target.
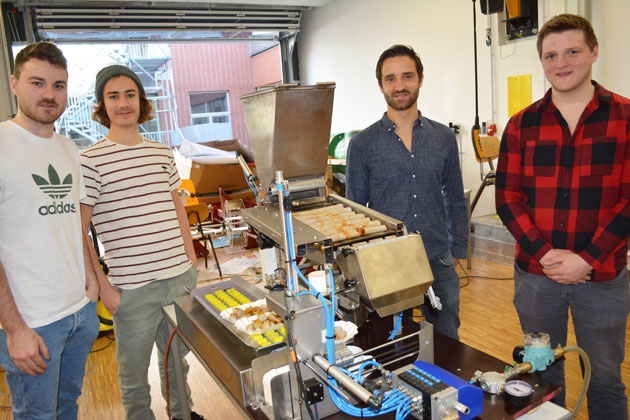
129,188
569,191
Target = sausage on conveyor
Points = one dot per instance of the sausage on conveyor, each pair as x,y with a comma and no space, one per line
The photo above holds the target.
358,232
339,222
327,221
336,208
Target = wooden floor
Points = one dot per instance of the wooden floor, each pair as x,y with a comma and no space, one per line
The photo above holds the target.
489,323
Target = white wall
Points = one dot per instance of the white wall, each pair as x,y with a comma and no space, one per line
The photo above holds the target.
342,42
614,49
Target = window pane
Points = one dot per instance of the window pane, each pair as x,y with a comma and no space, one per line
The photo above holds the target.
220,119
198,109
200,120
218,105
208,102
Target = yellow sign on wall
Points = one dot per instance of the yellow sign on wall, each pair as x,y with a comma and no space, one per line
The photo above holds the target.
519,93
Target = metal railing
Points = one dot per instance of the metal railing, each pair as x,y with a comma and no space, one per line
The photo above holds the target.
76,122
165,137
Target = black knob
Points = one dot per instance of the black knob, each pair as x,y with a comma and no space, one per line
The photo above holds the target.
517,354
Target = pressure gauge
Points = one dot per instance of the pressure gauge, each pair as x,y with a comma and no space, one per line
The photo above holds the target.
518,393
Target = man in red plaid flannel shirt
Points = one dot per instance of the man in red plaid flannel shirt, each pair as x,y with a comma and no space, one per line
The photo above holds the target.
562,190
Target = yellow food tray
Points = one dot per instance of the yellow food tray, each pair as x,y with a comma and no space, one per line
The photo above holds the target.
228,298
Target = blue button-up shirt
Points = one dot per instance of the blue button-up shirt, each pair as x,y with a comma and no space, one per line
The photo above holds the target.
422,188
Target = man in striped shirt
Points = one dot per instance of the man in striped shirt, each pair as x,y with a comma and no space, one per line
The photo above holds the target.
563,190
131,184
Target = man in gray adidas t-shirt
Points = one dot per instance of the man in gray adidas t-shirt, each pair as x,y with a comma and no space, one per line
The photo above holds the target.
49,320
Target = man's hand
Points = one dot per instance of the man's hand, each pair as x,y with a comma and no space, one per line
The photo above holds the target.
26,349
456,262
92,291
551,254
565,267
111,299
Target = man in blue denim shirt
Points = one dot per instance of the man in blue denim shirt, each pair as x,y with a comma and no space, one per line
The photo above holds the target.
407,166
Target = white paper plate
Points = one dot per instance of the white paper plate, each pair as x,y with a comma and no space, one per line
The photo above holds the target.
348,328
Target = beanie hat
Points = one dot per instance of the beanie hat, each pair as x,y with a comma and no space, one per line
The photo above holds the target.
112,71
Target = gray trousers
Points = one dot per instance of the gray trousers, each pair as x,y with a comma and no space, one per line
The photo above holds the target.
599,312
446,287
138,324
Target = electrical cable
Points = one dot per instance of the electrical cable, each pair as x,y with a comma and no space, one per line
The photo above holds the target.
111,340
468,277
474,132
166,351
491,278
294,360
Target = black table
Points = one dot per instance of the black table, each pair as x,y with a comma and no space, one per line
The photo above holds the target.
452,355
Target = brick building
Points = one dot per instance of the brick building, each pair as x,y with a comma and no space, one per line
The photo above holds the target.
209,80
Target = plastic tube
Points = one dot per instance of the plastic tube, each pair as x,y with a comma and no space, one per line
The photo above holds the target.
250,185
393,401
587,376
350,374
397,326
363,365
288,238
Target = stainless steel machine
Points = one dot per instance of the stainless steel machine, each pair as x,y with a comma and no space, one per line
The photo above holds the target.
372,269
386,268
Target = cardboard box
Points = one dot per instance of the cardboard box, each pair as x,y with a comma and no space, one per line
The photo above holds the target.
234,195
208,178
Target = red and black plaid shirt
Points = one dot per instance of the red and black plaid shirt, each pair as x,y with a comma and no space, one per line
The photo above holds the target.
563,191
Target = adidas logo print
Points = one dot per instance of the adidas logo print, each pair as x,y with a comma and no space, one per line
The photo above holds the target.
55,189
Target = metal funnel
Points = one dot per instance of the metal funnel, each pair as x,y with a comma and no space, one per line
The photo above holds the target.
289,128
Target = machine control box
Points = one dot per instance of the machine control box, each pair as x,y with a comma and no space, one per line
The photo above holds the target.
436,392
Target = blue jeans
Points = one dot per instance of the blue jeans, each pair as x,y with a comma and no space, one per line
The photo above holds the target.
600,312
446,287
54,393
138,325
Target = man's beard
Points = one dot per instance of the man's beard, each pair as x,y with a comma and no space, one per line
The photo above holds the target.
402,106
42,117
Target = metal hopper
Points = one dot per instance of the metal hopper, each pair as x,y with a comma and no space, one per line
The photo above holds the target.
289,128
